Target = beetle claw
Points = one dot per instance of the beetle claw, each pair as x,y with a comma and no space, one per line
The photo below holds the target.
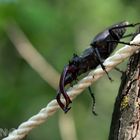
68,101
59,101
66,109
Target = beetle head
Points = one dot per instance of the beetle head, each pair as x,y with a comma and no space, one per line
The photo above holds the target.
68,75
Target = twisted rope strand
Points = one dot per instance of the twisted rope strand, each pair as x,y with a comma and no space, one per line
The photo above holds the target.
52,106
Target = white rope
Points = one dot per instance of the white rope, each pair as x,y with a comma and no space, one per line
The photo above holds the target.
52,107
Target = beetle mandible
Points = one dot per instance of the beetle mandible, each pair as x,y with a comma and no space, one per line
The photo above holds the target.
101,47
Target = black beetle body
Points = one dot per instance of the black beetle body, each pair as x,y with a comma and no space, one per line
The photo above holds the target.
101,47
88,59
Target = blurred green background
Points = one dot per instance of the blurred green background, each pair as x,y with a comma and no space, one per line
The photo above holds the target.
57,29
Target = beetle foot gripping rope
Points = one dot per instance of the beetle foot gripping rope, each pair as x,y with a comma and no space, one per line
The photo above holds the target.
94,75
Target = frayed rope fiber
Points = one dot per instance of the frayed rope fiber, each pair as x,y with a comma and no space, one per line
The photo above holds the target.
94,75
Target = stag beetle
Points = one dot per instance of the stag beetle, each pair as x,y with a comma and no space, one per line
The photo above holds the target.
102,46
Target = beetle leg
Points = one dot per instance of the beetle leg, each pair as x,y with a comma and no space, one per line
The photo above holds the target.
93,100
128,35
101,63
124,26
121,42
117,69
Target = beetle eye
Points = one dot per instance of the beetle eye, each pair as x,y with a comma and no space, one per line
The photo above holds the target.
76,61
